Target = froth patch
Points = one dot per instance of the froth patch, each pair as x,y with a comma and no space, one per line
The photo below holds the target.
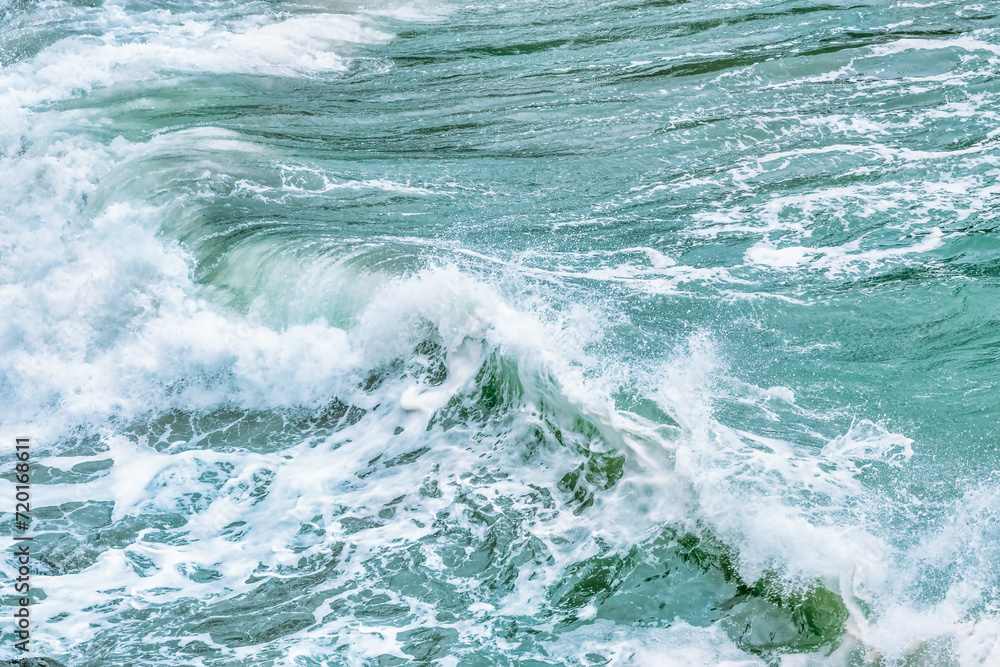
680,645
866,440
847,259
136,50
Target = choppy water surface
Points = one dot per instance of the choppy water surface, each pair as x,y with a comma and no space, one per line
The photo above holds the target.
533,333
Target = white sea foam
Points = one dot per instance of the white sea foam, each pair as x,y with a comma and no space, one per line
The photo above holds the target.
680,645
867,440
840,260
964,43
111,323
135,50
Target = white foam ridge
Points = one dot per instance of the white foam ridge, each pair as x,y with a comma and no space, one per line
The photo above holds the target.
113,330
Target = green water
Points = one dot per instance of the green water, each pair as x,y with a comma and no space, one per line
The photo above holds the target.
534,333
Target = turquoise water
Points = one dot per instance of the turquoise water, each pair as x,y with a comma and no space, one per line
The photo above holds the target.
531,333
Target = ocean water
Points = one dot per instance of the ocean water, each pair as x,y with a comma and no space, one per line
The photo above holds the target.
625,332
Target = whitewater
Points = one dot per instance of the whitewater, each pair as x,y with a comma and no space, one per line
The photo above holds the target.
544,332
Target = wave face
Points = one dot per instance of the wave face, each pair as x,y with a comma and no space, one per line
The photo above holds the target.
535,333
